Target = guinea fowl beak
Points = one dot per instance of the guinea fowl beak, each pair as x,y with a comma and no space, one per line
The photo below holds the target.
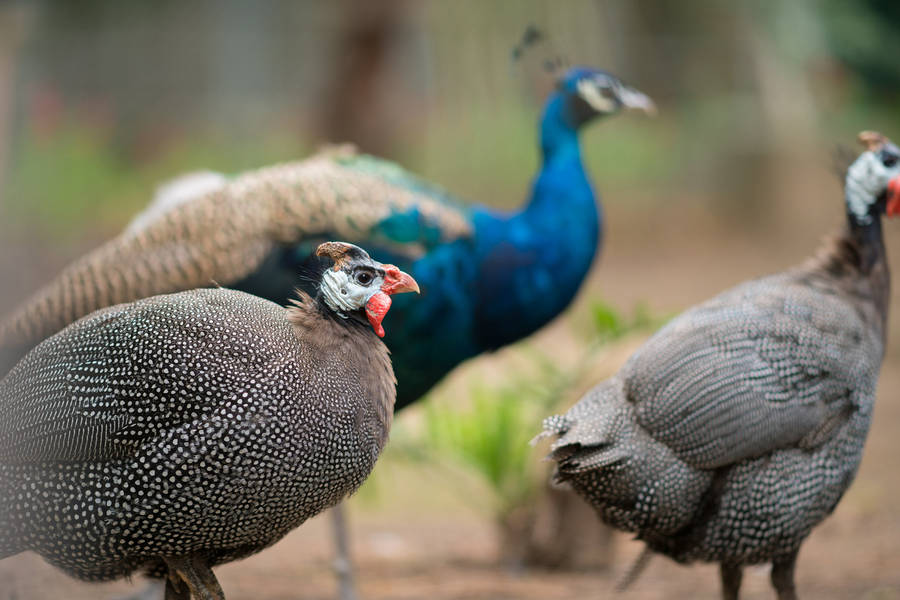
893,197
632,98
395,282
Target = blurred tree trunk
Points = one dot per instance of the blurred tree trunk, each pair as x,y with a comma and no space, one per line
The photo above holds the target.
357,105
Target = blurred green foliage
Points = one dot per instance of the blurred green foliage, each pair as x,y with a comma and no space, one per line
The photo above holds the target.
610,324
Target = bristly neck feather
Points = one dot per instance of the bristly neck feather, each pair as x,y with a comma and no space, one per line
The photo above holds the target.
868,240
308,313
866,235
351,344
856,258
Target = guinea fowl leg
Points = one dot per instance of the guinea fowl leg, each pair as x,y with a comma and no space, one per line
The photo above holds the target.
783,576
342,565
190,578
731,581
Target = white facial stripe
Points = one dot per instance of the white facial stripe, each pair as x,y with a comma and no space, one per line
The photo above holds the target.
867,177
589,92
343,295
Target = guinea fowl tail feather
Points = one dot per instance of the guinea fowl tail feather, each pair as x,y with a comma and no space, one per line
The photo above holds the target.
635,482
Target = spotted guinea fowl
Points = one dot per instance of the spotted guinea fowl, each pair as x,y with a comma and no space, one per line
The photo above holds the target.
488,278
187,430
737,427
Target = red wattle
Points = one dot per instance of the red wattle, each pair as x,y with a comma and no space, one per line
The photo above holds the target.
893,197
376,308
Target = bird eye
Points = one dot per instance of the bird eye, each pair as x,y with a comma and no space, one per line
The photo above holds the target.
364,278
888,158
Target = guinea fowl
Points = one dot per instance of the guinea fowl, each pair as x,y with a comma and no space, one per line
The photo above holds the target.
738,426
488,278
187,430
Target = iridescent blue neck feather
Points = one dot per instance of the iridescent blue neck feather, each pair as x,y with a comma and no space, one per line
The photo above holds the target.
532,262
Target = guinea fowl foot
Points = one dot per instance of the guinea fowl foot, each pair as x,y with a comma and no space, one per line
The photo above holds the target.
190,578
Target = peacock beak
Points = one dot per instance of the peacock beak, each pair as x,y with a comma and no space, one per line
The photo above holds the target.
397,282
632,98
893,197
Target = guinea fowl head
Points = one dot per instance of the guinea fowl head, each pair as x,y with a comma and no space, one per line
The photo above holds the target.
358,285
872,183
588,93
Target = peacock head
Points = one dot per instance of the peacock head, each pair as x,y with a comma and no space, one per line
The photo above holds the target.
358,286
872,183
588,93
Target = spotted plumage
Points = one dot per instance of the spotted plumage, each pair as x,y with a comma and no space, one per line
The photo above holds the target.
198,426
738,426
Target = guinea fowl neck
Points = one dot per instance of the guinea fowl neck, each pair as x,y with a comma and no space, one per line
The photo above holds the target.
868,238
862,246
349,341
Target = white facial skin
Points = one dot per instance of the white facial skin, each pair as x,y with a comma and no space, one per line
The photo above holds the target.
343,293
866,179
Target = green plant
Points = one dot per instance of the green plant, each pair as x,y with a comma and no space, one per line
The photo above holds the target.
610,324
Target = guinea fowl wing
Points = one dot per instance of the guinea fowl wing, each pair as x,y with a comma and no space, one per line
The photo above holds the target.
770,364
125,374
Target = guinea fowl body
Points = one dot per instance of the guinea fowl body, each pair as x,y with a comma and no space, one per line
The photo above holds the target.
488,278
203,425
206,408
783,362
737,427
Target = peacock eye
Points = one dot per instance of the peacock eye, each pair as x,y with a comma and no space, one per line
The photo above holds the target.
364,278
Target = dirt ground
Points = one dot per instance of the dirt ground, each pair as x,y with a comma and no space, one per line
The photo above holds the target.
407,549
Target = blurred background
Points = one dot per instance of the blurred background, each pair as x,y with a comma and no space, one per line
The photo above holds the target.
101,101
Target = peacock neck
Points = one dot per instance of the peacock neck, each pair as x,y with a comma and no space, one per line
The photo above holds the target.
561,184
559,135
534,261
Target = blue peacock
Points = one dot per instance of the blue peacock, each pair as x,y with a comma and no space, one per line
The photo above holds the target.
488,278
